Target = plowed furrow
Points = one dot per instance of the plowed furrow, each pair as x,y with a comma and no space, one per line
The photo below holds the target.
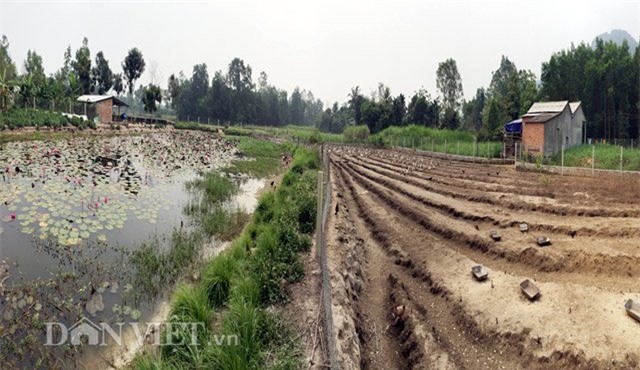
580,267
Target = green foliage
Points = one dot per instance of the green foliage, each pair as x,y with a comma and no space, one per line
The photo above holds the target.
154,269
150,97
259,148
102,75
214,187
252,273
444,141
260,167
356,134
539,162
189,306
133,66
607,156
217,277
34,69
16,118
82,67
265,158
7,67
449,83
605,78
195,126
224,224
510,94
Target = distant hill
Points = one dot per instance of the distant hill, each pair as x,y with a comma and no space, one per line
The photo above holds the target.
617,36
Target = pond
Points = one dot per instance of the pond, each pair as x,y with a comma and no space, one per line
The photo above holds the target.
72,212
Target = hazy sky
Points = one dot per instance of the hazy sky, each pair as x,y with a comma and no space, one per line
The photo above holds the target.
325,46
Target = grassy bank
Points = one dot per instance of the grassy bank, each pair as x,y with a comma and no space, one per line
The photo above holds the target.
265,158
238,286
196,126
607,156
411,136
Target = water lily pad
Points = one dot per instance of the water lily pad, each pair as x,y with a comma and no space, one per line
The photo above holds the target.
95,304
135,314
102,238
28,230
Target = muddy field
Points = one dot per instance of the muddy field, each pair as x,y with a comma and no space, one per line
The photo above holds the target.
407,229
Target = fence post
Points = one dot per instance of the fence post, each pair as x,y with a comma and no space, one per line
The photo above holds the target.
458,150
475,145
562,160
445,145
421,143
319,216
432,146
593,159
515,157
487,150
412,142
621,149
405,142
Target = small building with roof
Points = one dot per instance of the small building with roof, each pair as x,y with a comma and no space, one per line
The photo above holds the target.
102,106
547,126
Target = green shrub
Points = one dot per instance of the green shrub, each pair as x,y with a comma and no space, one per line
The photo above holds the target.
356,134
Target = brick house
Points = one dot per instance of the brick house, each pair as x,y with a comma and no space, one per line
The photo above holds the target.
103,106
547,126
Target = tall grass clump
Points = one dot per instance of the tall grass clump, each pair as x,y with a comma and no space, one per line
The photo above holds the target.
217,277
190,306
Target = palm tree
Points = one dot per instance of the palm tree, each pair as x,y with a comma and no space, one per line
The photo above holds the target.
355,103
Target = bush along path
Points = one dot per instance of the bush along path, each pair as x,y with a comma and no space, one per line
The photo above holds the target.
231,302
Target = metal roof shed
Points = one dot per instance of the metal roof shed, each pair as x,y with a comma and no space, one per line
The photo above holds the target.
104,105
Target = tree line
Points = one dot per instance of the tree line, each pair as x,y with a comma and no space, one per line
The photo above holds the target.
77,76
233,96
606,78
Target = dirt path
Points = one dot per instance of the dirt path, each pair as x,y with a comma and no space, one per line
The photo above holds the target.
408,231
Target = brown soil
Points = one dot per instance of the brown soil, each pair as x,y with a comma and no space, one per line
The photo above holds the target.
408,230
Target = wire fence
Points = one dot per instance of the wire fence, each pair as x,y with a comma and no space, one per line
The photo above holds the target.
325,177
585,159
480,149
